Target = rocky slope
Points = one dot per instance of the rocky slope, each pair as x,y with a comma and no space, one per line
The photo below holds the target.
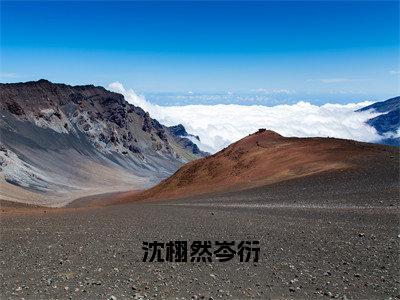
264,158
60,141
388,123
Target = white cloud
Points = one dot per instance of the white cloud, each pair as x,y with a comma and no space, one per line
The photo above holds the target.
336,80
274,91
131,96
392,135
393,72
219,125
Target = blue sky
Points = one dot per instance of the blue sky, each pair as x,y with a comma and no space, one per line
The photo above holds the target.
309,48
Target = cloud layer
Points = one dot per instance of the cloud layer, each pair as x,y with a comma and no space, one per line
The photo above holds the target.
221,124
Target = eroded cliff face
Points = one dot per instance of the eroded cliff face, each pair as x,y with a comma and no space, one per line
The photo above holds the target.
58,138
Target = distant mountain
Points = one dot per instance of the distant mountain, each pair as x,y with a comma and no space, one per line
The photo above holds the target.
60,141
388,122
187,140
384,106
179,130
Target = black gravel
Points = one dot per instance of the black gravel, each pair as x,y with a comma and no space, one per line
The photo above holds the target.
321,237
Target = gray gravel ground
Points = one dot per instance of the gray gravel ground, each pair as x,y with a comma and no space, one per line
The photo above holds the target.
321,237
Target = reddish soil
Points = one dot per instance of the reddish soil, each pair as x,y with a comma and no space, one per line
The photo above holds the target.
259,159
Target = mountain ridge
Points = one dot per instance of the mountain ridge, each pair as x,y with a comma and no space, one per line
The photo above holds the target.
46,127
387,123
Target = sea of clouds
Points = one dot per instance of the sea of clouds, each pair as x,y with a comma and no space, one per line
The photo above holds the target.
221,124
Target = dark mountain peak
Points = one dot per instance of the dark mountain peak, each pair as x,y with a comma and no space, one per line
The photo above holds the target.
384,106
45,84
43,81
186,139
388,123
178,130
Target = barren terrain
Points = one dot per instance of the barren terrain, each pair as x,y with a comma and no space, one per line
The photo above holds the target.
333,234
264,158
